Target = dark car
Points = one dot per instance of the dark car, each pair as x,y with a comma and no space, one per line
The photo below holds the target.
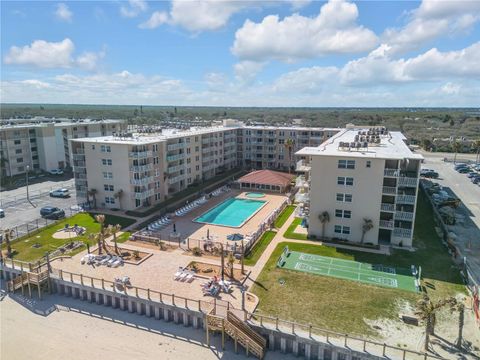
52,212
430,174
464,170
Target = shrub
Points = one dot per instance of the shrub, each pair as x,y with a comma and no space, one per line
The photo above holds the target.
136,254
197,251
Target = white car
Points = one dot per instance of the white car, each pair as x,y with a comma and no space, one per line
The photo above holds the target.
61,193
56,172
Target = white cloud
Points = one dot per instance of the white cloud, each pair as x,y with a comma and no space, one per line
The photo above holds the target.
430,20
44,54
246,71
158,18
36,83
451,88
298,4
134,8
63,12
306,80
333,31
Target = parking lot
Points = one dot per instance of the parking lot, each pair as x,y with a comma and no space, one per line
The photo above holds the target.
19,211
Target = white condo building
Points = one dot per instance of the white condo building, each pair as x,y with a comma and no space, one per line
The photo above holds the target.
42,143
358,176
134,170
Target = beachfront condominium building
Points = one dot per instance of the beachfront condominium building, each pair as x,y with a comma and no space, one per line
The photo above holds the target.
42,144
134,170
363,187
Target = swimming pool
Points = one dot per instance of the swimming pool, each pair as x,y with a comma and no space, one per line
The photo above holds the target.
232,212
254,195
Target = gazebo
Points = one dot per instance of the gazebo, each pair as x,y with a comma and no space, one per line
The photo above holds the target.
268,180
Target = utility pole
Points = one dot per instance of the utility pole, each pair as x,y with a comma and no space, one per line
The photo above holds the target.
26,180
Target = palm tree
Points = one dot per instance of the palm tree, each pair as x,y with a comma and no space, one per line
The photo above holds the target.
100,218
456,146
114,229
7,235
289,145
476,148
461,320
426,310
231,261
366,227
93,193
96,237
118,195
324,218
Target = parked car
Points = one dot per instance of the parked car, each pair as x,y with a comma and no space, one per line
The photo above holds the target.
464,170
52,212
56,172
61,193
472,174
430,174
460,165
476,180
2,213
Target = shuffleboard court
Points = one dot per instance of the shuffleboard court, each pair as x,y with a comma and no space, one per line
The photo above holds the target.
373,274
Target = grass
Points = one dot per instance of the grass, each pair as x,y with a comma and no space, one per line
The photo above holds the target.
257,251
291,234
23,250
353,302
284,215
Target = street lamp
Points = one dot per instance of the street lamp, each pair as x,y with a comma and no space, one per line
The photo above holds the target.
26,178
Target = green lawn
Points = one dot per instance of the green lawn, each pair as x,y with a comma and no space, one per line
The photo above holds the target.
23,249
257,251
284,215
342,305
291,234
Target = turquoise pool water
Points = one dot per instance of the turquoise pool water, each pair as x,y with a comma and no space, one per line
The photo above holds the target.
232,212
254,195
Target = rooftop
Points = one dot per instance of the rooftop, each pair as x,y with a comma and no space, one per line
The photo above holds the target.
267,177
39,121
356,142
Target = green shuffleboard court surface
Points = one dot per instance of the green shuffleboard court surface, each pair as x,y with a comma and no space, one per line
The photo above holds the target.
372,274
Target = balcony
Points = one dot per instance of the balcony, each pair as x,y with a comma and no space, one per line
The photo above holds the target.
176,146
78,157
144,194
144,181
403,216
175,157
141,168
302,166
176,179
389,190
140,154
387,207
173,169
407,181
391,172
207,140
387,224
402,233
406,199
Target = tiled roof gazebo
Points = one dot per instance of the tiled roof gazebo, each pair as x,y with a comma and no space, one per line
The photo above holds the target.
266,180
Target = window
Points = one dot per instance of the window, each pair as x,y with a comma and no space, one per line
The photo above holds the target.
339,229
109,200
19,160
346,164
93,147
21,169
369,163
17,142
344,197
105,148
341,180
347,214
18,151
349,181
107,175
107,162
107,187
348,198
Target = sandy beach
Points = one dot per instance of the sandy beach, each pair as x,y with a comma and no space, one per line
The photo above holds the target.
61,328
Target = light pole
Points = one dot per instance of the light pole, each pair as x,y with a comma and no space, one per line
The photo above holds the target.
26,178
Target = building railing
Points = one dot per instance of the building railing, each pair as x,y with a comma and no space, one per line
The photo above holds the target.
406,199
141,168
176,157
387,207
389,224
144,181
403,215
140,154
403,233
78,157
391,172
173,169
176,146
407,181
389,190
176,179
144,194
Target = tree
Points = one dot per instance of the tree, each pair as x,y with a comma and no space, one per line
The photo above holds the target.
426,144
100,218
461,321
476,148
289,145
456,146
426,310
324,218
118,195
93,193
366,227
230,261
7,235
114,229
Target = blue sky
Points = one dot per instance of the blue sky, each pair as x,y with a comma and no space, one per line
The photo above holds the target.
242,53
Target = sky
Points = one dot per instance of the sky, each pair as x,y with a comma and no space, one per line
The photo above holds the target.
299,53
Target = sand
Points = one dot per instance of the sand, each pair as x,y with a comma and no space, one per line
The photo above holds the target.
59,328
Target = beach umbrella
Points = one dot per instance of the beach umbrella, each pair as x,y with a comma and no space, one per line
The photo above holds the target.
235,237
